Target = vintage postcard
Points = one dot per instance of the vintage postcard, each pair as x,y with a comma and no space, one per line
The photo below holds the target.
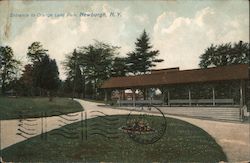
124,81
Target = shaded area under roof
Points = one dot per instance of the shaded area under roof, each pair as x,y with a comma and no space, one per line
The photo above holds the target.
231,72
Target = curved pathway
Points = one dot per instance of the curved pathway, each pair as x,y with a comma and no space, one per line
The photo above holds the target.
234,138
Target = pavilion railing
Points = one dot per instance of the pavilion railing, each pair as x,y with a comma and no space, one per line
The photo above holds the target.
193,102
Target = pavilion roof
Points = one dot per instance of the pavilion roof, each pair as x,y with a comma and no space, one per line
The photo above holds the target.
223,73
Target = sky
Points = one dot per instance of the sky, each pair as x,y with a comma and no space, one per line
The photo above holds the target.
180,29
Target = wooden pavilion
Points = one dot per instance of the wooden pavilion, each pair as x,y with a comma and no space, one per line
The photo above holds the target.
225,85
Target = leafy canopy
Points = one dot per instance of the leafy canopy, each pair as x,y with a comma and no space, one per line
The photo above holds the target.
45,73
8,66
225,54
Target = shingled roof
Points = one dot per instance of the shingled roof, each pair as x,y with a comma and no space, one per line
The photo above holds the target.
232,72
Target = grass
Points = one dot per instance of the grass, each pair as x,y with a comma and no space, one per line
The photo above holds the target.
182,142
12,108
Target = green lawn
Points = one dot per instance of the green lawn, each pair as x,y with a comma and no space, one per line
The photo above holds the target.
12,108
182,142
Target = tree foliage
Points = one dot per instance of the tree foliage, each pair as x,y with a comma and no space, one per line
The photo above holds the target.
27,75
36,52
225,54
9,66
119,67
45,75
26,81
90,65
75,76
96,60
49,74
142,58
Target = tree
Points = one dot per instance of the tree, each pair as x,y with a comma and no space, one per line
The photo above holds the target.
88,66
225,54
49,75
119,67
96,62
36,52
75,75
27,80
142,58
67,87
8,66
45,75
1,60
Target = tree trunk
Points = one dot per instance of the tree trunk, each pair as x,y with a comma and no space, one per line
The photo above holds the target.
3,84
31,91
83,87
40,91
94,89
74,89
3,88
50,96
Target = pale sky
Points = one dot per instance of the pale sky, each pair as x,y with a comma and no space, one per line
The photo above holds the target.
180,29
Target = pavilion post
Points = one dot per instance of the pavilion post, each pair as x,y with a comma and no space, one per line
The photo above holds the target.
189,97
150,98
213,96
119,97
168,97
150,101
163,96
133,92
146,93
123,94
106,97
144,90
241,93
